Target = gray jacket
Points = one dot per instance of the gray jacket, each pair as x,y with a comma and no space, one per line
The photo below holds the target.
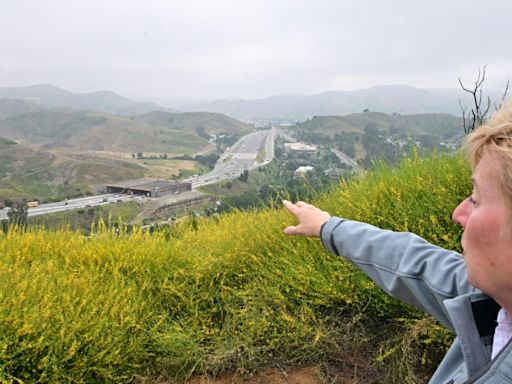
435,280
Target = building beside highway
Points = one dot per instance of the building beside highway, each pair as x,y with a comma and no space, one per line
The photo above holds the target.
301,148
149,187
174,206
303,170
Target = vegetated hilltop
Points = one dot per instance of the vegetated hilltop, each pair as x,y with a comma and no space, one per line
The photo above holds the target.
443,125
97,131
199,123
225,294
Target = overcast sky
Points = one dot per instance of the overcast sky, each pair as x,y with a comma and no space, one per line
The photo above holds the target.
251,48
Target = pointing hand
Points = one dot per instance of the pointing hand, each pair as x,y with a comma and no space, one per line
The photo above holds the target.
310,219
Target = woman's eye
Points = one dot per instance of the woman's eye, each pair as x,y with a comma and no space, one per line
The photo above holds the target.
472,200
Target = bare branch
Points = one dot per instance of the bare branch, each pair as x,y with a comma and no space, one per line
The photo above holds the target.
463,87
486,109
464,121
481,108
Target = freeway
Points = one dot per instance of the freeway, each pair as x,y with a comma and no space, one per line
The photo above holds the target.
83,202
251,151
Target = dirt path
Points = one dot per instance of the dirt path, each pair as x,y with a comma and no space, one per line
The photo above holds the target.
301,376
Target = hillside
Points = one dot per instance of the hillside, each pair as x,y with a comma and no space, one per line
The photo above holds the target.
31,173
444,125
192,122
95,131
13,107
28,172
226,293
156,132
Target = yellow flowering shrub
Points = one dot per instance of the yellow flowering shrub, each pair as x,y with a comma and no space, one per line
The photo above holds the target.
223,294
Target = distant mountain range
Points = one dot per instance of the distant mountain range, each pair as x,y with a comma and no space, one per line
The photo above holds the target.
398,99
102,101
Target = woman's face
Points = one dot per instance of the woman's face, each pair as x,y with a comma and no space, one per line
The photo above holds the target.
487,237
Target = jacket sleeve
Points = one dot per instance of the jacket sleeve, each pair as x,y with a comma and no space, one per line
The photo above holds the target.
403,264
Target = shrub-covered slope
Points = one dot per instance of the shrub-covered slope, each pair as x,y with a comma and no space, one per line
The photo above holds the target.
225,294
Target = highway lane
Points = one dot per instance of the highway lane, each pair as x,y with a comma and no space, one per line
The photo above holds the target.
344,158
79,203
243,155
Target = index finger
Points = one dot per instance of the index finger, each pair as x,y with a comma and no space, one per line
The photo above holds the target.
289,206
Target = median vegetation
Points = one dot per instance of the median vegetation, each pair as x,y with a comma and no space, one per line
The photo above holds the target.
223,294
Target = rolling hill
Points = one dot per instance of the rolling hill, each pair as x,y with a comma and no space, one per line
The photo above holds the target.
213,123
28,172
154,132
443,125
14,107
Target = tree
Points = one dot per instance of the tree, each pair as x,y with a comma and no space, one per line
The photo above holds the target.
18,215
477,116
244,176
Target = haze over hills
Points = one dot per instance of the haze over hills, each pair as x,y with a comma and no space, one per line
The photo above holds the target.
400,99
102,101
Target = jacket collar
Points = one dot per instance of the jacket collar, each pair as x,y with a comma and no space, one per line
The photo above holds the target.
473,317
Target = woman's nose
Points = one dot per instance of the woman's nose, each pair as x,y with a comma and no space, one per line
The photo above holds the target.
460,213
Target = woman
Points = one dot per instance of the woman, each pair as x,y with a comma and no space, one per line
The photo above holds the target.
469,294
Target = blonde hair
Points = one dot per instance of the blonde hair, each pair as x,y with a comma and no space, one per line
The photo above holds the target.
495,137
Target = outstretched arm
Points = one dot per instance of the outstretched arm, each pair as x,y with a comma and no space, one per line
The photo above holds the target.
403,264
